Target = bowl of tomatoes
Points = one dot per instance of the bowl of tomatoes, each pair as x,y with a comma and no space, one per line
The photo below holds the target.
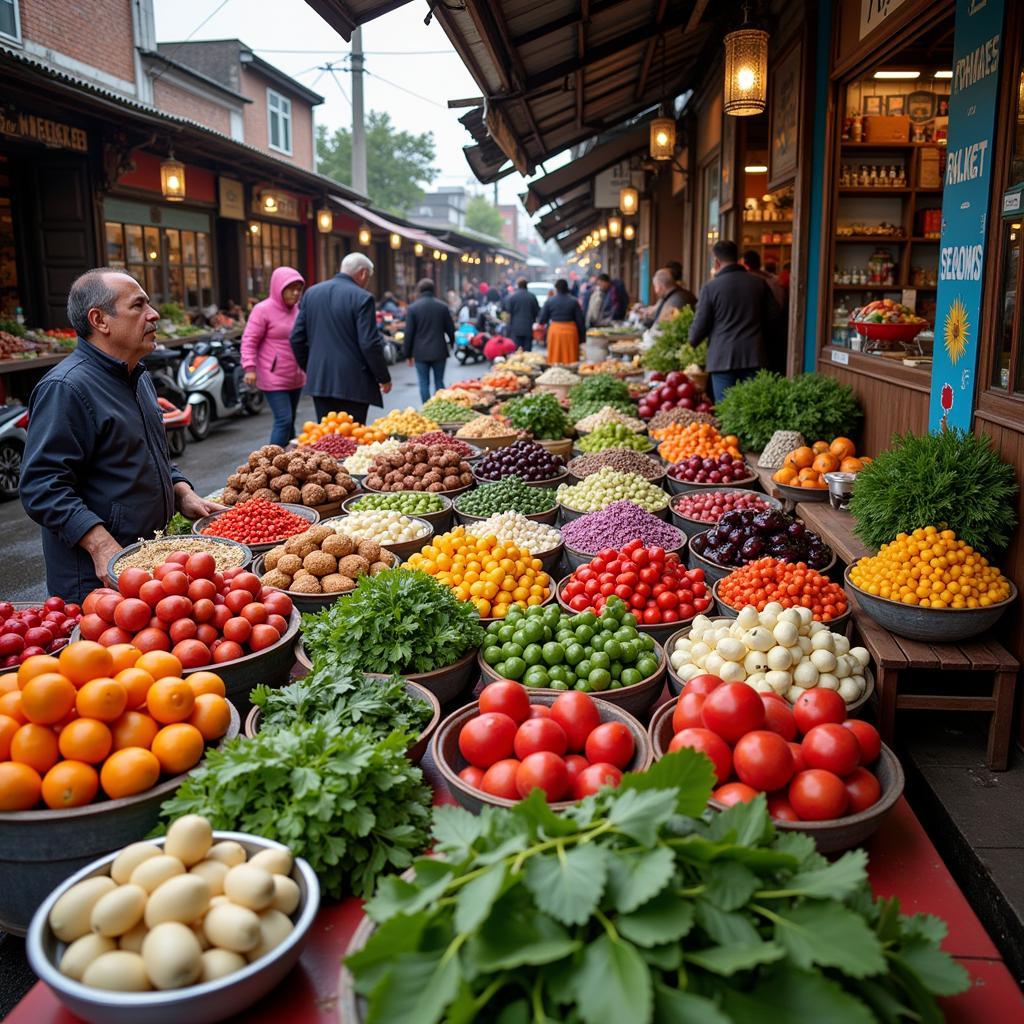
821,772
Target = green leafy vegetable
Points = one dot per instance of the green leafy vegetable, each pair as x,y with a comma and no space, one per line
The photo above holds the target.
599,387
352,805
954,479
178,525
624,909
672,349
397,621
541,413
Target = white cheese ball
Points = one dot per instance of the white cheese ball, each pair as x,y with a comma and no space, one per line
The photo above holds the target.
773,608
713,663
794,693
806,616
822,641
699,651
862,656
824,660
733,672
805,674
785,633
748,617
758,682
759,638
780,682
845,666
792,616
768,619
779,659
840,644
755,661
816,627
860,682
731,649
849,691
688,671
828,681
804,643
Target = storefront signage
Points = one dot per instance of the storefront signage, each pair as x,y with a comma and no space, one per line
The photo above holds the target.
874,12
55,134
608,184
231,194
972,110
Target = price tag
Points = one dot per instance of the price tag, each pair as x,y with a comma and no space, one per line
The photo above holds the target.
843,358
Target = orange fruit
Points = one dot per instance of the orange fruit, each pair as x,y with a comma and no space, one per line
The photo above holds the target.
104,699
136,682
842,448
801,458
85,739
36,666
825,463
178,747
10,704
47,698
8,727
129,771
211,716
819,446
159,664
8,682
207,682
807,474
815,483
85,660
20,786
134,729
124,655
785,475
851,465
170,700
70,784
35,745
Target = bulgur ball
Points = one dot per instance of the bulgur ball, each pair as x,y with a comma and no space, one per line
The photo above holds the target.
353,565
369,549
319,533
306,585
276,578
289,564
270,559
339,545
313,494
319,563
291,495
335,583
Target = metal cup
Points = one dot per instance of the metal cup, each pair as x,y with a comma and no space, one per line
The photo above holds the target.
840,489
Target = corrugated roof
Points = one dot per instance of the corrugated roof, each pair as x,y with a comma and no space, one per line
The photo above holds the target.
345,15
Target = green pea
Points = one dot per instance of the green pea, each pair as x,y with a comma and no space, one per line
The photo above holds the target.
492,654
630,677
515,668
554,654
599,679
574,653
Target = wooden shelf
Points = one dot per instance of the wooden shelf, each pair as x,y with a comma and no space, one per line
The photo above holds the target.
870,239
892,145
930,241
868,191
883,287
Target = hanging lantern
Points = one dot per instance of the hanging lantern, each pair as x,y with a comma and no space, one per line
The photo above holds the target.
629,200
436,254
746,70
324,221
663,138
395,240
444,256
254,227
269,202
364,236
629,232
614,226
172,179
603,233
418,249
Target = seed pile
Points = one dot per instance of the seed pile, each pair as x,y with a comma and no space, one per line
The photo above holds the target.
625,460
618,525
609,414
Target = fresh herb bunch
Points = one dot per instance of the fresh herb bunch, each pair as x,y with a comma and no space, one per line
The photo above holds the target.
815,405
672,349
599,387
346,698
627,908
178,525
581,410
397,621
541,413
953,478
353,805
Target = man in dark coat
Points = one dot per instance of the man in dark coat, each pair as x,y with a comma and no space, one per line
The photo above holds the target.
522,308
97,475
616,298
336,341
429,334
736,314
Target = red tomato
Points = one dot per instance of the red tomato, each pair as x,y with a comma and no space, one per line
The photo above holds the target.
780,808
507,697
227,651
575,765
91,626
500,779
201,565
221,614
203,609
237,629
733,709
192,653
734,793
181,557
278,603
799,764
255,612
206,634
471,776
762,759
545,771
816,706
199,589
93,598
687,713
818,795
540,711
578,716
595,777
709,743
109,637
129,582
247,581
150,639
170,609
262,637
540,734
236,600
105,608
487,739
183,629
778,717
132,614
175,582
703,683
152,592
867,737
611,743
862,790
831,747
278,622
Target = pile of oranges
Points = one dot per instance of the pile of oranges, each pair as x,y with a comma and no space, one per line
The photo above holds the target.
95,717
492,575
931,568
807,466
679,442
339,423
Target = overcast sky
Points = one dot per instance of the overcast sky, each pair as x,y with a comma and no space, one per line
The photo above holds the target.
412,68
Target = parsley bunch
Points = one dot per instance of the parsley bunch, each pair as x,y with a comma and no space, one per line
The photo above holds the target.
541,413
627,907
599,387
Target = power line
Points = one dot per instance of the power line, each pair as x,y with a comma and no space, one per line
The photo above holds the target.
402,88
170,56
337,82
376,53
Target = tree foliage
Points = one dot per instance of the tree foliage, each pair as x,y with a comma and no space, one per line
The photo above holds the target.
397,162
483,216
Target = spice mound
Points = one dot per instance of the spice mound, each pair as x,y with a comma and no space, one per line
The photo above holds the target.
617,525
153,552
256,522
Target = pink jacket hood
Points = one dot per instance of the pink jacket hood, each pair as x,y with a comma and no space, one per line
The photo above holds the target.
266,347
281,279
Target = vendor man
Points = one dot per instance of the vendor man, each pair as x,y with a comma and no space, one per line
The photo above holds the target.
96,474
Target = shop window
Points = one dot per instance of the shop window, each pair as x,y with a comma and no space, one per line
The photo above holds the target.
10,23
270,246
711,228
279,122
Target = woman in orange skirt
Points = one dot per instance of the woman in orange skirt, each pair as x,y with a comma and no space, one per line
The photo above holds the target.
565,319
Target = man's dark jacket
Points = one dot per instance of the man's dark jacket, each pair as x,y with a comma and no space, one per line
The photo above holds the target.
522,308
336,341
737,314
428,330
96,455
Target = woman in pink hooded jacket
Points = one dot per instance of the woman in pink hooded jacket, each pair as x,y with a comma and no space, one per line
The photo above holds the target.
267,356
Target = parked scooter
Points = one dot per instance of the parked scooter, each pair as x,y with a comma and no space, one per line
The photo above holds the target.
13,435
175,423
212,377
469,344
163,364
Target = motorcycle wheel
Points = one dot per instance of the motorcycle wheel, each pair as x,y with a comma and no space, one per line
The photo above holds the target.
10,469
201,416
252,403
176,442
461,356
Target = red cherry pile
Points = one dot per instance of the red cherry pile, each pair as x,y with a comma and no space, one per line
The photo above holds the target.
721,469
751,739
564,750
189,608
335,445
677,391
656,586
257,521
40,630
710,506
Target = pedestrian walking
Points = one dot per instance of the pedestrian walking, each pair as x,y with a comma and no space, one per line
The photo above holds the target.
565,319
736,313
429,336
522,308
337,342
267,356
616,298
96,474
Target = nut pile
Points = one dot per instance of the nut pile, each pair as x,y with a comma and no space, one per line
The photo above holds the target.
488,426
153,552
559,376
600,489
323,561
515,528
776,450
300,477
446,441
508,495
335,445
666,417
525,459
609,414
385,526
359,461
625,460
405,423
419,467
410,503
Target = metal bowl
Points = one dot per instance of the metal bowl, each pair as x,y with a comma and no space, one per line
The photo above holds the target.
440,520
490,443
799,494
197,1004
244,552
945,625
561,447
682,486
260,549
691,527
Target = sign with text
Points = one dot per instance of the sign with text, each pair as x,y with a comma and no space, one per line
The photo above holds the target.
874,12
609,183
16,124
972,110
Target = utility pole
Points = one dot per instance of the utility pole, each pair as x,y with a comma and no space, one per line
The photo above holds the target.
358,127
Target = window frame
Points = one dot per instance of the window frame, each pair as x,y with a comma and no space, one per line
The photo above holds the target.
16,37
282,110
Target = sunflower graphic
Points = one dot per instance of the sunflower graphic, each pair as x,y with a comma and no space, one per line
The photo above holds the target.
957,331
